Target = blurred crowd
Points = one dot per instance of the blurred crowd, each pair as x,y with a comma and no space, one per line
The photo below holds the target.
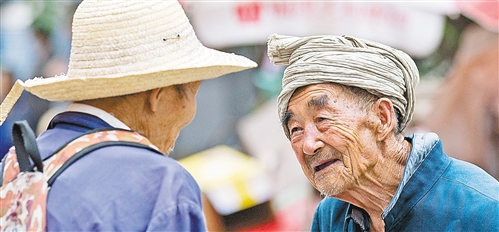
457,98
35,41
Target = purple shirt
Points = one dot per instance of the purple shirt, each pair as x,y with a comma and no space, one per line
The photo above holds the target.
117,188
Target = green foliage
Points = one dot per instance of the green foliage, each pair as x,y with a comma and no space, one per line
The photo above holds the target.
437,63
45,16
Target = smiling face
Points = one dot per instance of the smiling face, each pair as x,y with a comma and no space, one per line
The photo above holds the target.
332,136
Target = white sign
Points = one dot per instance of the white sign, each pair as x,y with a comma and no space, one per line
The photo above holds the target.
407,26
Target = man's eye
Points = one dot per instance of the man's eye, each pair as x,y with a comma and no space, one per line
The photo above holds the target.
321,119
295,129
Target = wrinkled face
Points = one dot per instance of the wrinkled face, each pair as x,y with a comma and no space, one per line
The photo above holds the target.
332,137
175,112
187,101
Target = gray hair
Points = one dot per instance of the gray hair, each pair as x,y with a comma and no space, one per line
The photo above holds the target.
379,69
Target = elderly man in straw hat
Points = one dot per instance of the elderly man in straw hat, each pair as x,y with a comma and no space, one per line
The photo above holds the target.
344,105
134,65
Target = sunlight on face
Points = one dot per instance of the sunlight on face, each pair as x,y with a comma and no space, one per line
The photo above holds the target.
328,137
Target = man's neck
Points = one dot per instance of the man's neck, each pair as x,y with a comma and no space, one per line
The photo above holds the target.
376,188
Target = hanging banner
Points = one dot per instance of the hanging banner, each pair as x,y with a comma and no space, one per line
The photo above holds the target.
410,26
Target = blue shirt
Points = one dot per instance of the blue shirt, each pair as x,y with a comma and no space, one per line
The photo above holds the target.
117,188
437,193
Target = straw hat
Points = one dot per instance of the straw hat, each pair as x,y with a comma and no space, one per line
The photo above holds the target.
124,47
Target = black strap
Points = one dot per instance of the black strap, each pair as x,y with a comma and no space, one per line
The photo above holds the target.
94,147
24,141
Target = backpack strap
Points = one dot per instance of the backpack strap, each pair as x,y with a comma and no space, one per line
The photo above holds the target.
24,141
18,158
93,140
55,164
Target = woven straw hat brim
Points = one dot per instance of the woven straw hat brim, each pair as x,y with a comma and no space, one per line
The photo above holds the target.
124,47
65,88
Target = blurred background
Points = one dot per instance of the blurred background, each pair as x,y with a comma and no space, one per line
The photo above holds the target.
454,44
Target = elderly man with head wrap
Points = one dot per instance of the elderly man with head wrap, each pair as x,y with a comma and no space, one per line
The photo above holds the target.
135,67
344,105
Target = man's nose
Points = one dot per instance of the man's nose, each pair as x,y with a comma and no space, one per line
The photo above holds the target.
312,144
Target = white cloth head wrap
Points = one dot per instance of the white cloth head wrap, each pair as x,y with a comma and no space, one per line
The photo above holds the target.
376,68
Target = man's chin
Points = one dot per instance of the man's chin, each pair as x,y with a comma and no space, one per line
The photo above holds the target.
168,151
329,189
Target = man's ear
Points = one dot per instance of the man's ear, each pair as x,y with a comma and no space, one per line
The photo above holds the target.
154,97
384,111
